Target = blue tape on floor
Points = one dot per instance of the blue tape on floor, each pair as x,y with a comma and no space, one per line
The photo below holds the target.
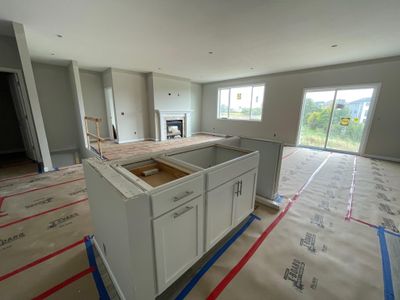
96,274
387,272
215,257
255,216
392,233
278,199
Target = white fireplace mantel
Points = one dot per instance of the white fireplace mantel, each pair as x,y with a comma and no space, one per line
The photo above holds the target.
161,118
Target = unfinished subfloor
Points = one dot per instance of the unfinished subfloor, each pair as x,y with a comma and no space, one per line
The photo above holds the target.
111,150
336,237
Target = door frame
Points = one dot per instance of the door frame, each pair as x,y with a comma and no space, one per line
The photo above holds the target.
371,112
23,101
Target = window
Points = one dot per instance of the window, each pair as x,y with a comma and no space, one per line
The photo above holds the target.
241,103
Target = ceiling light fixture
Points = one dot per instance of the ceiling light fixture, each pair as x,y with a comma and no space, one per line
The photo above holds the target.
334,46
210,52
59,35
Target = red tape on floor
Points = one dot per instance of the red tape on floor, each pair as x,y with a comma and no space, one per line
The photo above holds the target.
42,188
236,269
64,284
287,155
18,177
40,260
363,222
42,213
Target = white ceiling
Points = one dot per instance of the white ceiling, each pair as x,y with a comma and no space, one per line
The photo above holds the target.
175,36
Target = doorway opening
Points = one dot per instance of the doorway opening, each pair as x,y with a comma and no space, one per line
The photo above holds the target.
111,118
337,119
17,155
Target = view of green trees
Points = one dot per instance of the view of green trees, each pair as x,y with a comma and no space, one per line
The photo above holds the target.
242,113
315,125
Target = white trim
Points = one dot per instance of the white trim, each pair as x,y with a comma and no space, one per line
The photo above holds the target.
110,273
161,116
131,141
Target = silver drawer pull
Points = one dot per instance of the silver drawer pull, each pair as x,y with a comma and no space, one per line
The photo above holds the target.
184,195
177,214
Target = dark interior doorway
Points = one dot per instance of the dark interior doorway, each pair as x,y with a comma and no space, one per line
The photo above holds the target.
14,160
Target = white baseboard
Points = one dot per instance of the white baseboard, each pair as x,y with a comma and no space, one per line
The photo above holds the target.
395,159
211,133
117,287
131,141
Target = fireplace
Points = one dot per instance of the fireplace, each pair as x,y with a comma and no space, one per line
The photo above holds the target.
174,129
172,124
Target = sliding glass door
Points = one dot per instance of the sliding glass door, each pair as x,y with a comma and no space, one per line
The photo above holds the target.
335,119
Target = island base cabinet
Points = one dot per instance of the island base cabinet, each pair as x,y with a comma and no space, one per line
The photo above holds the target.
245,197
228,205
178,238
219,212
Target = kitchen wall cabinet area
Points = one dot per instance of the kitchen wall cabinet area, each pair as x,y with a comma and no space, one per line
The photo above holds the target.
178,240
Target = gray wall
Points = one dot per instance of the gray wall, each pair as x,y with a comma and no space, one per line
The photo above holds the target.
131,107
94,99
171,93
283,100
55,96
9,57
195,106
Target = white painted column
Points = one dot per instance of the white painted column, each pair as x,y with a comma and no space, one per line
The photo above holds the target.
32,95
79,106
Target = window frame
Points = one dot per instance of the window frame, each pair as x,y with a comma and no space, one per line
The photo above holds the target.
253,85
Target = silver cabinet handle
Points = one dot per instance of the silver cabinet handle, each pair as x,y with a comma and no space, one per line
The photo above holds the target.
184,195
177,214
237,188
241,186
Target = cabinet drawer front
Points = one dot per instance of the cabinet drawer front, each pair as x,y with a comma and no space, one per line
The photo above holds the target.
221,175
172,197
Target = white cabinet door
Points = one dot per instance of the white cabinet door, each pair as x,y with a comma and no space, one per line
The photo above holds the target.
219,218
244,201
178,239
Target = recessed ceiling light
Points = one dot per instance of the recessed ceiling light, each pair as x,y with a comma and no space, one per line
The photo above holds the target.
59,35
334,45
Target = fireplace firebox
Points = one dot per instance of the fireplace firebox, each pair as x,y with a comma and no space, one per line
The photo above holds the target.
175,129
